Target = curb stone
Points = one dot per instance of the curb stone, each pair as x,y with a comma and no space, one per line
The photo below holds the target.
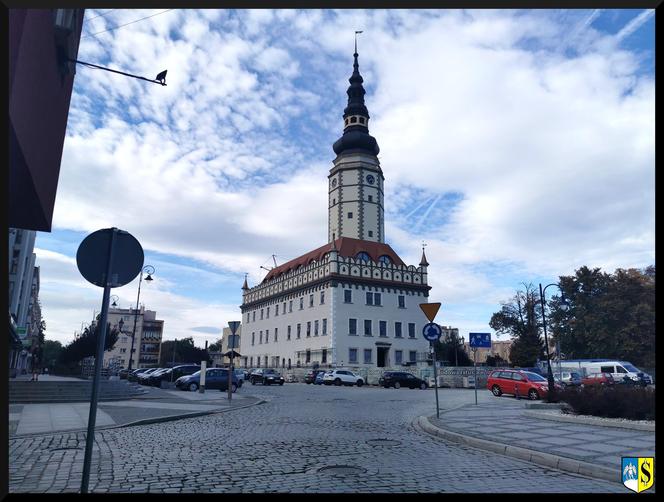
589,421
536,457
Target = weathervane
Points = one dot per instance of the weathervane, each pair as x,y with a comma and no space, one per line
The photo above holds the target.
356,40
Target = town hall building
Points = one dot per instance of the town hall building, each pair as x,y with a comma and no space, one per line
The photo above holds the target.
352,302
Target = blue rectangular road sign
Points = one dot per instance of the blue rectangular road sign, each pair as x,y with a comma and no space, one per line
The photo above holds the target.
480,340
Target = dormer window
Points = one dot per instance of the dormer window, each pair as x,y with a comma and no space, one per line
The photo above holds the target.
361,120
362,256
385,259
353,120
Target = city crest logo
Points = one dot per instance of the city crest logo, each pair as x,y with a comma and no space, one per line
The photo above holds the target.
638,473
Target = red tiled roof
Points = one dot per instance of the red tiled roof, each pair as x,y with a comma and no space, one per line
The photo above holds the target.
346,247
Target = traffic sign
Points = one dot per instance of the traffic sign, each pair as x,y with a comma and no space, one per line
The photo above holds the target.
430,310
432,331
233,325
92,258
480,340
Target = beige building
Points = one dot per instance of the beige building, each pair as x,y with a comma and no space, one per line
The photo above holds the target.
498,348
147,342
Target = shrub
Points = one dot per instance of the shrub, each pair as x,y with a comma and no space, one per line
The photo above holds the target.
617,401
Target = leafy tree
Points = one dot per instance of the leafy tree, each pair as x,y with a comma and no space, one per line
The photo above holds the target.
86,344
215,347
496,361
185,352
520,318
51,353
450,349
606,315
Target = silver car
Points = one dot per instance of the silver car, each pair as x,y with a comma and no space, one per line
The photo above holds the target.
568,378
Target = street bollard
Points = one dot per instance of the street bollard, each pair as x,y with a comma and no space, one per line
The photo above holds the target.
202,387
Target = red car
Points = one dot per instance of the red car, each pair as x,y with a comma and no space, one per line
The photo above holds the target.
598,379
521,383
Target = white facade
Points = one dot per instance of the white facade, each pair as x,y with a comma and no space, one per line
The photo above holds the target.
147,342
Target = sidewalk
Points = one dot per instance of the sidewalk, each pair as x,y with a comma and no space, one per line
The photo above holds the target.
506,426
156,406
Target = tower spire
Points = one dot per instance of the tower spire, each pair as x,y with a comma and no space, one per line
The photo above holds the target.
423,261
245,286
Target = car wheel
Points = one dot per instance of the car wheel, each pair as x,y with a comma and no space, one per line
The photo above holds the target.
266,382
423,386
496,391
193,387
253,382
533,394
360,383
239,384
234,388
397,385
337,381
281,383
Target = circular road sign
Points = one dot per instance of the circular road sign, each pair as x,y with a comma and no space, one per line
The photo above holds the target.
92,257
432,331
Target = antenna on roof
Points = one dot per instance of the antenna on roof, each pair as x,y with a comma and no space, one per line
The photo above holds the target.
274,259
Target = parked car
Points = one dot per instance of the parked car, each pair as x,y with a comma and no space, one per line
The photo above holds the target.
132,376
215,378
595,379
398,379
619,369
342,377
518,383
172,374
141,376
568,378
310,377
123,373
319,378
241,376
266,376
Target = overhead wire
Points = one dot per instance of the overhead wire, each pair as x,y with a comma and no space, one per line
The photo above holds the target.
126,24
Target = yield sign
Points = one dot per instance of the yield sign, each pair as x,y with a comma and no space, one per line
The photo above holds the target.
430,310
233,325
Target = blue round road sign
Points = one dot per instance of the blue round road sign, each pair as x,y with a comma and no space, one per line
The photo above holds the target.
92,258
432,331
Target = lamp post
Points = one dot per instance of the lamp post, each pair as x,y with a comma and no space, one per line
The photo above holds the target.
114,300
546,343
148,269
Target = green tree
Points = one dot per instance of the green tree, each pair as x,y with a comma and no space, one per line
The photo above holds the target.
86,344
450,349
51,353
496,361
606,315
520,318
215,347
185,352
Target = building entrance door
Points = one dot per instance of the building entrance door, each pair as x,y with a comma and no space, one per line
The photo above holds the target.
381,359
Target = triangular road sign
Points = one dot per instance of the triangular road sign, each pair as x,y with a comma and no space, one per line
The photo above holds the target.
233,325
430,310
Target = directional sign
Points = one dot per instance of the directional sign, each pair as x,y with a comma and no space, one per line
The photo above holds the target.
432,331
430,310
233,325
480,340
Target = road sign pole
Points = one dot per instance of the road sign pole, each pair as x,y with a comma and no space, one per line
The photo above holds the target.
92,416
435,378
475,366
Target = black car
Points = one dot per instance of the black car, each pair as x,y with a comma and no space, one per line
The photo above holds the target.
310,377
143,377
399,379
266,377
172,374
133,375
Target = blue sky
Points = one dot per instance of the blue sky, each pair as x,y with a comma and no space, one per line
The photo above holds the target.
519,145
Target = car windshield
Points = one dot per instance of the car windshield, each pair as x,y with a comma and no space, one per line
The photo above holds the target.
198,373
629,367
575,375
534,377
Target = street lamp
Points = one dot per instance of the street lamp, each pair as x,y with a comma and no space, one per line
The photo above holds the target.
546,342
148,269
114,300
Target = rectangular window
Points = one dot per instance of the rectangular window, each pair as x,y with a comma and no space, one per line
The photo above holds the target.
308,356
288,332
260,338
284,309
308,329
299,331
370,233
267,335
350,216
352,355
377,299
311,300
367,327
276,331
370,198
301,302
324,327
382,327
315,328
397,330
253,317
276,310
369,298
411,330
402,302
290,306
398,356
367,356
247,316
322,297
324,356
412,356
253,338
268,313
352,326
261,314
348,296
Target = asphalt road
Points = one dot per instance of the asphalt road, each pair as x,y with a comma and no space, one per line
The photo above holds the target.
306,438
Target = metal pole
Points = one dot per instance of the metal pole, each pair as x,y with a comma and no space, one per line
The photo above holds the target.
549,395
173,363
435,378
230,376
475,369
92,417
133,331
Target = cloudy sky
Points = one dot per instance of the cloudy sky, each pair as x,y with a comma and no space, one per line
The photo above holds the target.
519,145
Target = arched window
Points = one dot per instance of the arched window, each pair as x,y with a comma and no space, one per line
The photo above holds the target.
385,259
363,256
361,120
353,120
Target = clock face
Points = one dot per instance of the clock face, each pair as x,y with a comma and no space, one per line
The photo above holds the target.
370,179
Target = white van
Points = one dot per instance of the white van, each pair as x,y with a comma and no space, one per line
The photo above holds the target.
618,369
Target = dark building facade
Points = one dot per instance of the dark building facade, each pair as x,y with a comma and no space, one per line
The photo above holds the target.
41,78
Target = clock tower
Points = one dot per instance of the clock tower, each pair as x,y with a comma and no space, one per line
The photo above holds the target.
355,186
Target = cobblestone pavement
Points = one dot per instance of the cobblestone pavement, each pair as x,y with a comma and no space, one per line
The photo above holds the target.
304,439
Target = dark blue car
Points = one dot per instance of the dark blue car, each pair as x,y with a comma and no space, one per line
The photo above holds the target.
215,378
